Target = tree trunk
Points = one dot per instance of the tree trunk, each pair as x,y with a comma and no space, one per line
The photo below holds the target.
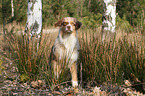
3,16
34,18
12,5
109,17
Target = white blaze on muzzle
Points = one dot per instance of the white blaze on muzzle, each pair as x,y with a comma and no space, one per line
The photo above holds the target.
69,28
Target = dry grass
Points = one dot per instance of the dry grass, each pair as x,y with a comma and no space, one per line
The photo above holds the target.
114,61
17,26
102,63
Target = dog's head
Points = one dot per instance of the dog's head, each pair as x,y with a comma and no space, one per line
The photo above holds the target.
68,24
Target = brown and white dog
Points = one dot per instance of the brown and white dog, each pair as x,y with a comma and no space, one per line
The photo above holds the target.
65,48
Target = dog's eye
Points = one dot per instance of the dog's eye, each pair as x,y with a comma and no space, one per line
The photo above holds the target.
73,23
64,23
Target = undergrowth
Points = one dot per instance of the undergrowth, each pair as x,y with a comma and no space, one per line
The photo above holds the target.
112,61
101,62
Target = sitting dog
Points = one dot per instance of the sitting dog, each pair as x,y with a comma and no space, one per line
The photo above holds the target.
64,52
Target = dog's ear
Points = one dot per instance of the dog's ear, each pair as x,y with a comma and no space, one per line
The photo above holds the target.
78,25
59,22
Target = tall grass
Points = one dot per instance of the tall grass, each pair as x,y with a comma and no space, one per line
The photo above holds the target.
114,61
110,62
26,54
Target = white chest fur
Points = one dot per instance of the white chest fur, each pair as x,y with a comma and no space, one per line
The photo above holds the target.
69,42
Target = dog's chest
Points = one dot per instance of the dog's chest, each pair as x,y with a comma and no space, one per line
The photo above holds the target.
69,42
66,47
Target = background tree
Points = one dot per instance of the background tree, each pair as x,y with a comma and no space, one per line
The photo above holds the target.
12,5
133,12
5,13
20,11
34,18
109,17
90,12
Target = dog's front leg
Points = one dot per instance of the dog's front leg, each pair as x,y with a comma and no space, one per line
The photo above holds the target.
73,70
56,69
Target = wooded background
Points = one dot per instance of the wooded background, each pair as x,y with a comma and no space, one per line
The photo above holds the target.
88,11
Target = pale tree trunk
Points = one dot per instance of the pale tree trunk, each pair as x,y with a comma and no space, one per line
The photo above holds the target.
109,17
34,22
34,18
12,5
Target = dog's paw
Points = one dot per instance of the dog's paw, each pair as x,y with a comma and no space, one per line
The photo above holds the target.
76,90
74,83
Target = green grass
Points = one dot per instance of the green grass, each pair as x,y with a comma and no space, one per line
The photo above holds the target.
112,62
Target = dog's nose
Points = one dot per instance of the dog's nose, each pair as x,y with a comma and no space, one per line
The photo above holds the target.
68,27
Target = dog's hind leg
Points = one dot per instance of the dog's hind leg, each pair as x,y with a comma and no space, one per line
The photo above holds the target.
73,70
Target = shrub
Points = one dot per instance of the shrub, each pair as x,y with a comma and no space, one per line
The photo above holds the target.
92,20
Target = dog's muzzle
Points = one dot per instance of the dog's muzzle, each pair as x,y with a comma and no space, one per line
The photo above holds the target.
69,28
